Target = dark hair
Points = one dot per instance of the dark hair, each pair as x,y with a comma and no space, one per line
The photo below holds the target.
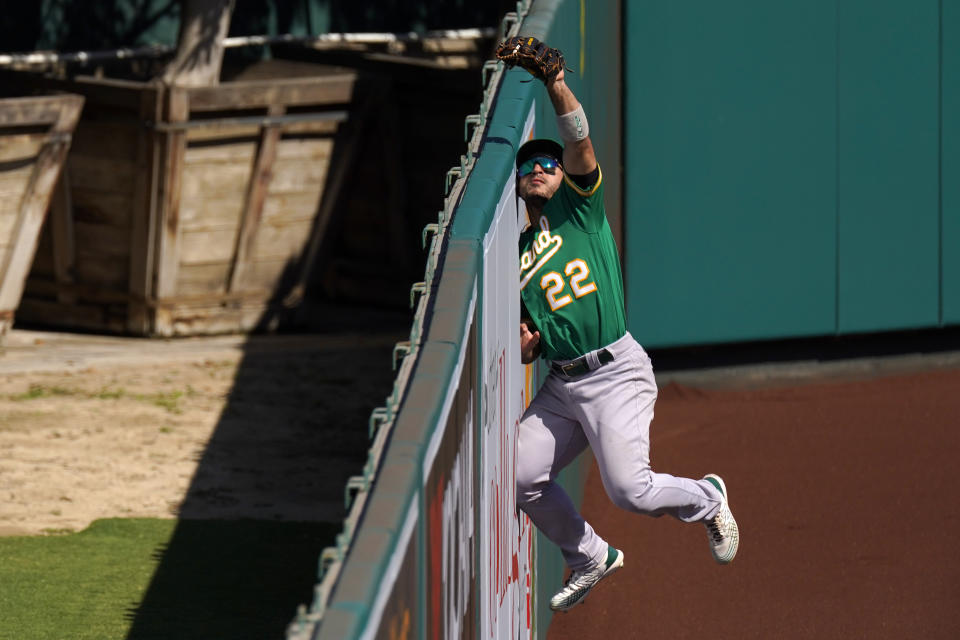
540,147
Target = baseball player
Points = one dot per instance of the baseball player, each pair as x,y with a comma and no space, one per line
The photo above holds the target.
600,390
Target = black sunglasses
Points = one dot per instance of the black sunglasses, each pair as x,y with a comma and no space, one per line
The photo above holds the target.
548,164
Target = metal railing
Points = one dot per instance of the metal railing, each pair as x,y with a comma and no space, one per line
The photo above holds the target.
382,419
156,50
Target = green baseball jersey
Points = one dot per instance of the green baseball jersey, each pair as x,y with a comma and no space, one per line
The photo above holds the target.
570,280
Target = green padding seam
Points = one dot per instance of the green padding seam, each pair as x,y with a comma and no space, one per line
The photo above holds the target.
374,546
495,163
400,476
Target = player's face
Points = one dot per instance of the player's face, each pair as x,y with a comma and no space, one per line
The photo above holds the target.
539,178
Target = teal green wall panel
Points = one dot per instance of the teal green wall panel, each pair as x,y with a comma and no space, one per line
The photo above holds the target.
888,150
950,162
564,35
730,179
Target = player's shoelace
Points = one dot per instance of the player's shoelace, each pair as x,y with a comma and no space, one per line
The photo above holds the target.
578,584
718,527
722,530
724,535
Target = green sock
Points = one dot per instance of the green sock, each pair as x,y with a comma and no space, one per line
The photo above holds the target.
611,555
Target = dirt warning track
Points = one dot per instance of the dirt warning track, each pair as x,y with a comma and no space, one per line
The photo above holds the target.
845,493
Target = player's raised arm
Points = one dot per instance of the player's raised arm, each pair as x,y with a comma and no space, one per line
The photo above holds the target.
547,64
578,156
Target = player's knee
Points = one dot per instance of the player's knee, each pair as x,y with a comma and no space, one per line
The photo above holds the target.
529,488
626,498
632,493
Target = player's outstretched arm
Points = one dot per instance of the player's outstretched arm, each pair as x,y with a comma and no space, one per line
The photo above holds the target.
547,64
578,155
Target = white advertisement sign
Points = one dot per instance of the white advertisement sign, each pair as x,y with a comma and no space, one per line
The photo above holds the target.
506,540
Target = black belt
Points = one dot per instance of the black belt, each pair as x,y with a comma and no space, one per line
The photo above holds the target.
580,366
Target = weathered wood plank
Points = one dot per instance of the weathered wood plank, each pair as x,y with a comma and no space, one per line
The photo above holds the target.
8,220
203,278
22,147
300,149
267,274
35,202
144,211
296,177
21,162
168,254
346,143
284,208
216,212
332,89
259,184
97,91
211,314
14,175
213,320
217,156
287,241
216,181
245,134
13,186
311,128
206,247
184,192
31,111
114,92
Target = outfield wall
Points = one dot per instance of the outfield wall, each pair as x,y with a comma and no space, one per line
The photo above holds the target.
791,180
434,546
791,168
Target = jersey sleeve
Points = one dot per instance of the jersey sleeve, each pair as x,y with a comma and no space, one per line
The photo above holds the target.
585,205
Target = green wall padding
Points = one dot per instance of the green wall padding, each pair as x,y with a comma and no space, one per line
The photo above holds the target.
790,168
888,74
730,178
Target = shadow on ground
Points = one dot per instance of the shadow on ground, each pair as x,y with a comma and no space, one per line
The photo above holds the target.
267,495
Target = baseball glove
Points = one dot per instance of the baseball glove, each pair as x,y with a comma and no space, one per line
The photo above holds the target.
532,55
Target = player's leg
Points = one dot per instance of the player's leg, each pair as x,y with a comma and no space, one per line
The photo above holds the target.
548,441
615,406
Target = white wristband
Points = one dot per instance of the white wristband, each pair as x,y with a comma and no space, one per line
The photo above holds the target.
573,126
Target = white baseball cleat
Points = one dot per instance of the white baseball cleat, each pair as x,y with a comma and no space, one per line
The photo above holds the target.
580,583
722,531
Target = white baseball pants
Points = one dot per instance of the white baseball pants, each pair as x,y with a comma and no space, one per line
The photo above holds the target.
608,409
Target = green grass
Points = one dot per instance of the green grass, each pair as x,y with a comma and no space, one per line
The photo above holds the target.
77,585
143,579
40,391
169,400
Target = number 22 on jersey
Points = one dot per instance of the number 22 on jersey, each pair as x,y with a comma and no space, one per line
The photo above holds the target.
554,284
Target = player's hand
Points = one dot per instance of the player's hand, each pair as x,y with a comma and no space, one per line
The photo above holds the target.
555,79
529,343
